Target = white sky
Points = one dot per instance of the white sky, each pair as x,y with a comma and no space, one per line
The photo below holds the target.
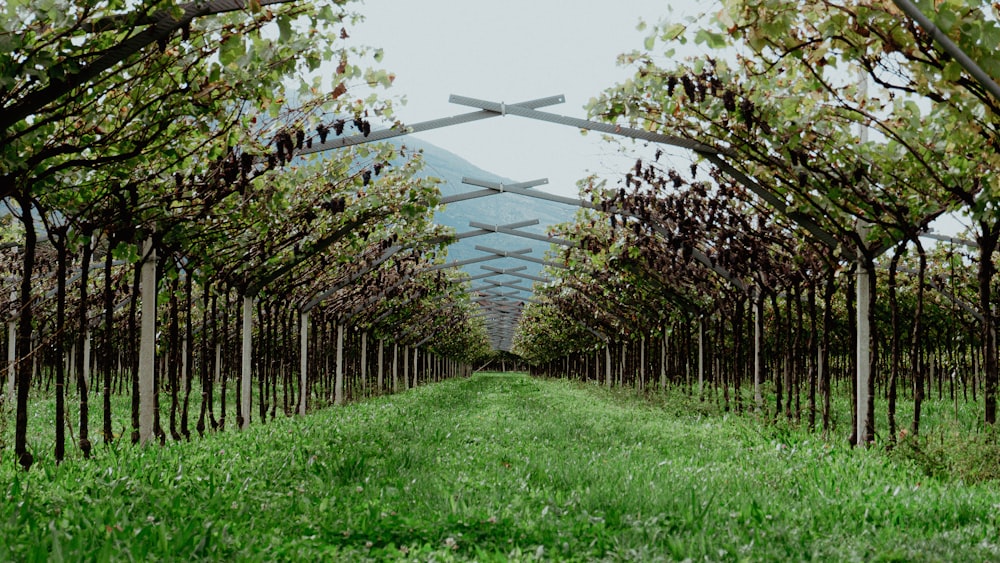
511,51
517,50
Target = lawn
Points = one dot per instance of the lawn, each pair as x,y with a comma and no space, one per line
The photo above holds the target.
497,467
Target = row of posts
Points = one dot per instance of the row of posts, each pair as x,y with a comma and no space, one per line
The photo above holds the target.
147,351
436,368
864,393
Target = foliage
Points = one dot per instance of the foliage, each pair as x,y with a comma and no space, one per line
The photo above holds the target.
497,467
953,454
188,127
823,135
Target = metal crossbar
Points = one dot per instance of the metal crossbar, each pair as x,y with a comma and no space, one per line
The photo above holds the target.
501,187
522,110
400,130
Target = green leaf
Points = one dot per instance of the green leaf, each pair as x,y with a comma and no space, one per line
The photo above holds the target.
284,28
231,50
712,40
673,31
946,20
326,13
952,71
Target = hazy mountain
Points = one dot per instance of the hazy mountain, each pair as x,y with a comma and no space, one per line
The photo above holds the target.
498,209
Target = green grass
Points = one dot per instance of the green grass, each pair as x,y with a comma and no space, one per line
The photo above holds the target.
493,468
42,408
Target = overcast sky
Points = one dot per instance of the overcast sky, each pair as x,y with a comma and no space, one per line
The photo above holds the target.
517,50
511,51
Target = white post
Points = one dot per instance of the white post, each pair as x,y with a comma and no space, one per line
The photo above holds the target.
621,367
406,367
184,360
607,365
218,363
380,381
663,359
415,364
86,360
338,384
147,342
11,360
820,362
395,367
71,362
701,356
247,365
303,359
642,363
758,352
863,289
364,360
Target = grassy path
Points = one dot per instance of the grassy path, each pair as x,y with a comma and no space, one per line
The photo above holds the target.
492,468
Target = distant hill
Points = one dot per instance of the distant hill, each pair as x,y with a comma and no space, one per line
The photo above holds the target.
499,209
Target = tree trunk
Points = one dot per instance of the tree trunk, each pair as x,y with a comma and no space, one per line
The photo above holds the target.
813,352
83,358
987,269
896,351
173,356
866,352
338,384
916,341
739,364
187,354
789,355
303,360
107,360
58,239
24,334
145,381
204,368
265,319
246,364
758,349
221,350
778,332
801,359
133,351
852,314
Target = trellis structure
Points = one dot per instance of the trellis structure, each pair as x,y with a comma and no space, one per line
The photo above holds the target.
501,300
864,381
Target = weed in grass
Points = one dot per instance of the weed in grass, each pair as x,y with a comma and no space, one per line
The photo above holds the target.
953,453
